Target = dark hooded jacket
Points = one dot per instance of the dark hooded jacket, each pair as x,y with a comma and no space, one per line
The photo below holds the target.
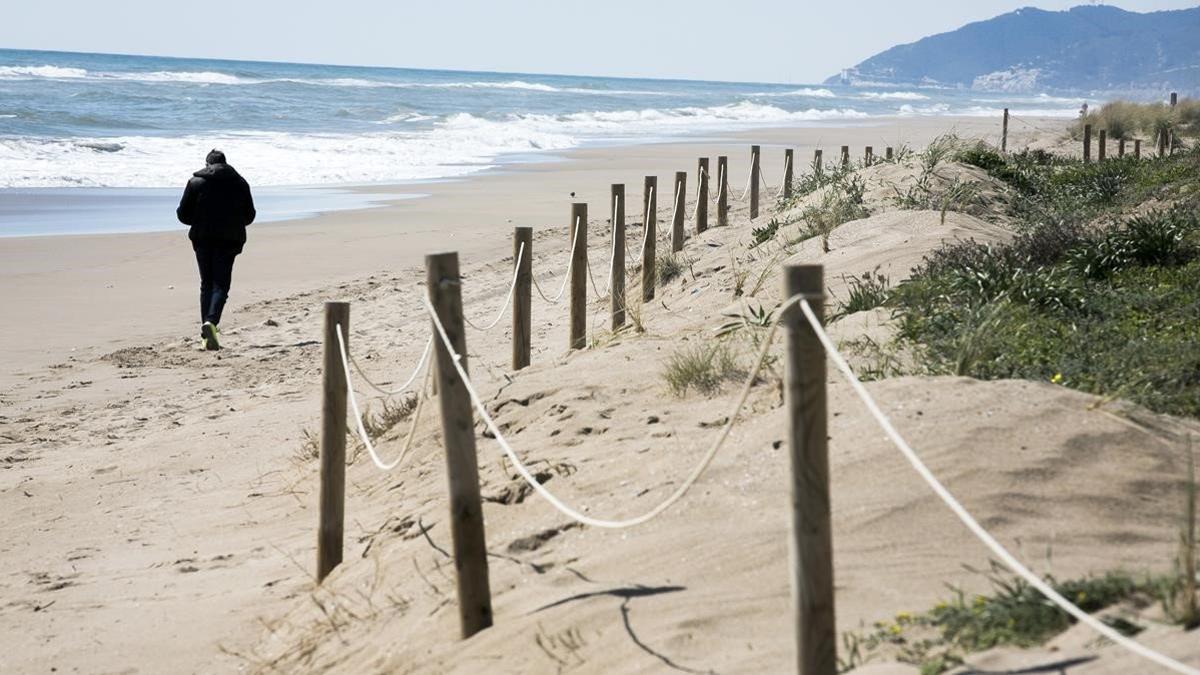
217,205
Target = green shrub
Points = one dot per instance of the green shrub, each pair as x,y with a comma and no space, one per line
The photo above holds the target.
761,235
865,292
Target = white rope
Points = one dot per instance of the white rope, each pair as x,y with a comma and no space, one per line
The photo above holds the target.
747,190
567,277
507,297
555,501
762,177
675,210
973,525
787,161
358,420
645,230
402,388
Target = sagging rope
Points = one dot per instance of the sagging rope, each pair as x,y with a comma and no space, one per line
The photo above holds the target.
555,501
358,418
402,388
973,525
747,190
645,230
787,162
507,297
567,277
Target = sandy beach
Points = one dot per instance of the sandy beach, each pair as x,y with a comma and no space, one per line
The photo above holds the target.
161,500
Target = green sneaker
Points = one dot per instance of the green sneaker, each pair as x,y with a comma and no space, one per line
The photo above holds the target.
208,334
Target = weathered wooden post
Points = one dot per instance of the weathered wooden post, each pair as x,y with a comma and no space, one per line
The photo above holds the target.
458,433
1171,136
722,191
1137,148
616,297
1121,147
817,168
650,225
754,180
680,212
868,155
1162,143
1004,133
522,300
579,276
889,154
845,156
702,195
1102,148
332,504
1087,143
812,539
788,166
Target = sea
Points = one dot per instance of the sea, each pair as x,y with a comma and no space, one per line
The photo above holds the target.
101,143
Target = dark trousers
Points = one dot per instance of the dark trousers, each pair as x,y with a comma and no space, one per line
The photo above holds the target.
216,274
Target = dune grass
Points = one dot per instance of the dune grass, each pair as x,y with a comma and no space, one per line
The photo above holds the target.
1085,296
1013,614
1128,120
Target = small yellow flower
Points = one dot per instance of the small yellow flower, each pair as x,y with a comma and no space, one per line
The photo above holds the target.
894,629
1057,379
903,617
980,601
1080,597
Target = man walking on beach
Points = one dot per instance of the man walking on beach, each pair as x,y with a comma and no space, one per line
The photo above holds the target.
218,206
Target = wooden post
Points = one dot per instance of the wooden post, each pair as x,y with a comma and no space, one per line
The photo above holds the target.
458,433
1121,147
845,156
650,225
1087,143
1162,144
579,276
702,195
754,179
789,166
868,155
522,301
889,154
616,297
1137,148
812,540
680,211
330,531
817,168
722,191
1004,133
1102,148
1171,133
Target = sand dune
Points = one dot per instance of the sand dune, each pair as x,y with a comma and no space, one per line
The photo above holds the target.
161,504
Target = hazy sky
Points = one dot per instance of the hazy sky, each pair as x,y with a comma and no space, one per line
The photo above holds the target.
753,40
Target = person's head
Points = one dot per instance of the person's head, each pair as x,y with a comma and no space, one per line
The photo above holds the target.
215,157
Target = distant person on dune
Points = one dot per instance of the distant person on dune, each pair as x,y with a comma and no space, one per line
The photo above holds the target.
218,206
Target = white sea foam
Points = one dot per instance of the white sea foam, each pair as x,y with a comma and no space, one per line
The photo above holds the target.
806,92
894,96
32,72
458,145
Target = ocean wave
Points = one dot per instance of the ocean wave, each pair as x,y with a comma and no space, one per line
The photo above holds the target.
454,146
267,158
806,92
34,72
894,96
211,77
